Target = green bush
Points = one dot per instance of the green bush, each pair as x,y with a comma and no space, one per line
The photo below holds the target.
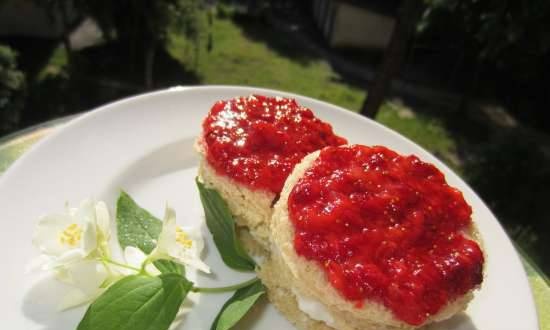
12,89
502,29
512,175
140,27
502,51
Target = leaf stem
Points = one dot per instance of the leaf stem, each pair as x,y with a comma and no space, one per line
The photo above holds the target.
225,288
144,264
116,263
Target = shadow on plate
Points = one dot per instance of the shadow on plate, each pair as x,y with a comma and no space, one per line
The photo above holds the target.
41,304
254,315
169,158
458,322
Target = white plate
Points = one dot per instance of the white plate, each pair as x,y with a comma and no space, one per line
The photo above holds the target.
144,145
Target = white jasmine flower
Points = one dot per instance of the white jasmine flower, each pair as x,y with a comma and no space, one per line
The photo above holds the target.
103,223
88,280
179,244
78,234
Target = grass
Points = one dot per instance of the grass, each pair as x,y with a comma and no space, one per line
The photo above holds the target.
426,131
56,64
239,60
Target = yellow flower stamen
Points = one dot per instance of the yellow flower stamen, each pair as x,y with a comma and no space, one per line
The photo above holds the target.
182,238
71,235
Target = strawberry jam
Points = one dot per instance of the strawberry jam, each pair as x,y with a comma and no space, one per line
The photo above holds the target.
257,140
385,228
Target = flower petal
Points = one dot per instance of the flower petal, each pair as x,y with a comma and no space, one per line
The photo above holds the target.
186,258
103,220
195,234
169,248
75,298
135,257
192,255
87,276
47,231
86,217
89,238
167,237
67,259
62,274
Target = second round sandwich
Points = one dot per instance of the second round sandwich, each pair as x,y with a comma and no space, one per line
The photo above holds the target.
365,238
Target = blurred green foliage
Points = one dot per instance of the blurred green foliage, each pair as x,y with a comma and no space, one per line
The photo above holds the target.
141,26
511,173
146,20
510,35
499,26
145,25
12,89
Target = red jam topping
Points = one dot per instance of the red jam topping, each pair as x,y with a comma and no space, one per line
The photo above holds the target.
257,140
387,228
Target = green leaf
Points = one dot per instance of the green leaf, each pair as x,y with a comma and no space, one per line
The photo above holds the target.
137,302
169,267
238,305
138,228
221,225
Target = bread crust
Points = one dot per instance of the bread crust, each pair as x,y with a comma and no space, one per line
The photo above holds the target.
251,209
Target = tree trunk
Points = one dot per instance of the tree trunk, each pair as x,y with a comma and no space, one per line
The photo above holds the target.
65,25
395,53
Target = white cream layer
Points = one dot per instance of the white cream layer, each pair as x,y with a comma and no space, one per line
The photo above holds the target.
313,308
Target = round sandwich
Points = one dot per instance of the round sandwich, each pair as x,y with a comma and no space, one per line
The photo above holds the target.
365,238
248,147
